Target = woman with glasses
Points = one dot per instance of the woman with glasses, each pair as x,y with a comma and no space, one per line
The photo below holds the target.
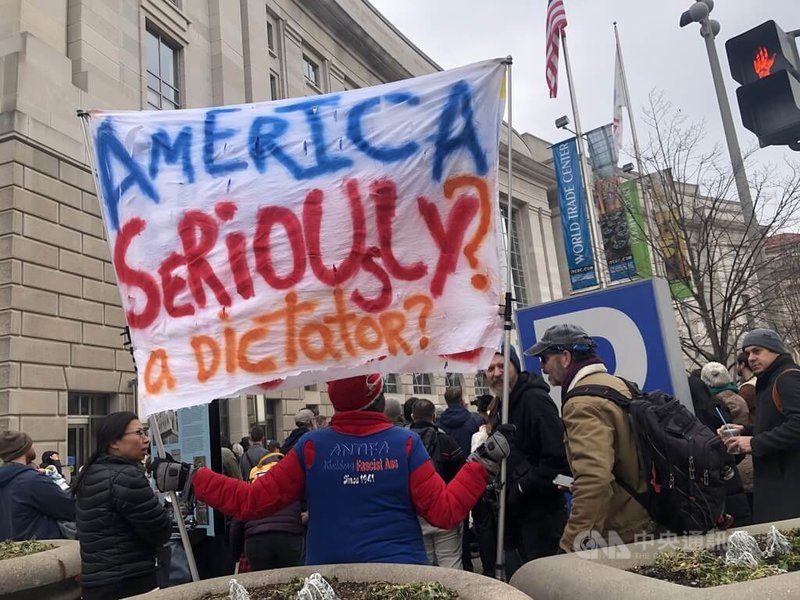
121,524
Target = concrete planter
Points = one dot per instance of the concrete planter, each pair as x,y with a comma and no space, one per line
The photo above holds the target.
603,575
468,585
49,574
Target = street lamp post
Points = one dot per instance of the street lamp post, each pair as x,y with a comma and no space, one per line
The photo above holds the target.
709,28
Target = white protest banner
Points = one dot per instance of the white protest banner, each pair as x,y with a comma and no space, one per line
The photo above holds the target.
285,243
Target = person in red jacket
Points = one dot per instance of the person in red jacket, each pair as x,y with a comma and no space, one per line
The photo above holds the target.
361,475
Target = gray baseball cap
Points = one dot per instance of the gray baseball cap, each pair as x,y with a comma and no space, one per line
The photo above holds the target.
564,335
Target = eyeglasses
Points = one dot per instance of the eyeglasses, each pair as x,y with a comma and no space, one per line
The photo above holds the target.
140,432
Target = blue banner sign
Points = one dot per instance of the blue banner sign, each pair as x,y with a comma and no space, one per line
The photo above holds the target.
634,327
574,224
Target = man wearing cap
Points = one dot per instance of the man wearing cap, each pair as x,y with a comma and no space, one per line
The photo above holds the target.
31,503
774,440
304,422
365,481
536,509
600,444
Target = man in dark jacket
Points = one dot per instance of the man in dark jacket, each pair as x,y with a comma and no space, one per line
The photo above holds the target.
774,440
457,421
443,546
304,422
254,452
31,503
536,509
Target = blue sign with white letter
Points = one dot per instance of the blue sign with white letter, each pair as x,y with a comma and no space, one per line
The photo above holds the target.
633,325
574,224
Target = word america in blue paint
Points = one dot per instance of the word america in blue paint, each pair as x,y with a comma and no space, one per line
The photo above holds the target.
455,130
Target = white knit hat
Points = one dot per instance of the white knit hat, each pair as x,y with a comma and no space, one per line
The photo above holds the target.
715,375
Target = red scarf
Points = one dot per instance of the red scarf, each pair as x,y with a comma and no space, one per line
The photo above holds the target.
360,422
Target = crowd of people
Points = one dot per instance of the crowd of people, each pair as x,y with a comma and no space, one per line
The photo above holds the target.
421,483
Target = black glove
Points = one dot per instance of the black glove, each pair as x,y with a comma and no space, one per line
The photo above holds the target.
172,476
492,452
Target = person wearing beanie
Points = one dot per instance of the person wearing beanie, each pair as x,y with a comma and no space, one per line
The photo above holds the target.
600,442
365,481
31,503
720,384
535,509
774,439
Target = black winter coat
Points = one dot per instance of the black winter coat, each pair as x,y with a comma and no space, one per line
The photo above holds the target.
446,454
120,522
538,452
460,424
776,444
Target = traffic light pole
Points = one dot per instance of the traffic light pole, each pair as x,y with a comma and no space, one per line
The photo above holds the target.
739,174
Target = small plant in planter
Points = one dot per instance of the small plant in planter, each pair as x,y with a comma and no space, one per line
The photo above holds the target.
743,558
9,549
346,590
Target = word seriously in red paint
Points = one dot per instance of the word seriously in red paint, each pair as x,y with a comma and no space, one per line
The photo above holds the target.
199,234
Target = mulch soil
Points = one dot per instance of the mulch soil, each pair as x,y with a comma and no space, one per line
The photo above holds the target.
349,590
707,568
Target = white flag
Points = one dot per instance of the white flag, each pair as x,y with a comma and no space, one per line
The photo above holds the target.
619,100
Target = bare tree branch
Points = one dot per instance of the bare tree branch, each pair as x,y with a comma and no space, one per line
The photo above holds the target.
709,247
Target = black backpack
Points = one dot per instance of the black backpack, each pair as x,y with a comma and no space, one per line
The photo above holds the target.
430,439
681,459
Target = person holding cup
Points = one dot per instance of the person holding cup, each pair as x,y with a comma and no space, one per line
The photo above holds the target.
774,439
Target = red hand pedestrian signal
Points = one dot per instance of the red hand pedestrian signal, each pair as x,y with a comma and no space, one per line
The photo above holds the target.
762,63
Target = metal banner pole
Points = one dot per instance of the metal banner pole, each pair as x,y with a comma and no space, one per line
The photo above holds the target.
156,433
499,569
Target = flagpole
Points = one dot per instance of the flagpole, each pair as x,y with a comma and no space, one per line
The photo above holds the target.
508,323
648,212
599,255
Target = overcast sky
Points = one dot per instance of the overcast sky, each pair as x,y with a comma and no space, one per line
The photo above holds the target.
658,54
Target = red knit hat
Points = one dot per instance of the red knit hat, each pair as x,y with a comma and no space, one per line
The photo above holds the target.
355,393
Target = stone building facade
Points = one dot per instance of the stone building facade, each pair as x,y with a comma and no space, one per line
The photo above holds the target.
62,361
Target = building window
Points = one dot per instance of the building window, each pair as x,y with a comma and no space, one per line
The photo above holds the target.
265,413
453,380
390,384
270,36
163,89
517,272
274,87
422,384
311,71
481,384
84,414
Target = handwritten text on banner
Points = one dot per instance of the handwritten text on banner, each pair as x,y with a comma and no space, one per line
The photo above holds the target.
285,243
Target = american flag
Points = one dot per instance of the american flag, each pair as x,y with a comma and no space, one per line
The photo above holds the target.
556,22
